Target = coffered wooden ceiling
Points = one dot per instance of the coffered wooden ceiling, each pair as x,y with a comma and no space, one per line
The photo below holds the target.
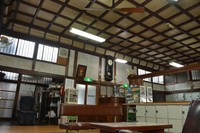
167,30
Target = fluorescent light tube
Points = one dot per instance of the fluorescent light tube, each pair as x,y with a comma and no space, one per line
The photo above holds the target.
121,60
175,64
87,35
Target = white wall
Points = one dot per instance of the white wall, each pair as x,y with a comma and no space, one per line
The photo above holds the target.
122,72
26,64
92,63
15,62
71,63
49,68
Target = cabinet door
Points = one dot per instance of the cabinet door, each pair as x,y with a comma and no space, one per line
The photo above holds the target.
175,118
150,113
188,97
174,112
185,109
195,95
163,120
91,95
161,111
140,113
140,110
170,97
177,125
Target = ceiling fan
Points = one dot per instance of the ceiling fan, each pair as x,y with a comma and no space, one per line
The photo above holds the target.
125,9
5,42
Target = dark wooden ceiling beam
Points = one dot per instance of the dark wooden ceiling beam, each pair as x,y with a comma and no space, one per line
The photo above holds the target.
166,72
100,18
156,14
151,28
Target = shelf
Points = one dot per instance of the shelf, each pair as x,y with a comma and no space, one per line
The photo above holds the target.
71,96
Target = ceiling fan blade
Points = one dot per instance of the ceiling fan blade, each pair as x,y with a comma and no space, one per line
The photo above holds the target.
133,9
96,9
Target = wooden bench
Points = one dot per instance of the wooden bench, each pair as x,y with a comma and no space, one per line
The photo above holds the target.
87,114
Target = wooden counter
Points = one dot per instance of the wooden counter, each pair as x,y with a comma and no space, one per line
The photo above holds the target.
160,103
112,100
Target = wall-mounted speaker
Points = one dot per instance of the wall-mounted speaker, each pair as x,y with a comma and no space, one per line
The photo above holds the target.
109,68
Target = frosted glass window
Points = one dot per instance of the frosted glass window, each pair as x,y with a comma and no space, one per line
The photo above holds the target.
25,48
7,95
158,79
6,104
5,113
11,75
8,86
81,93
91,95
195,74
47,53
19,47
11,49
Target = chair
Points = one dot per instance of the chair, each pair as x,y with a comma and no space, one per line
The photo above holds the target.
192,122
26,115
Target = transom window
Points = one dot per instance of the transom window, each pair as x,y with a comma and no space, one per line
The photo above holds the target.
142,72
47,53
19,47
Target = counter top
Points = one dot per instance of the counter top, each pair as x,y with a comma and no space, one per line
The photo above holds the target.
160,103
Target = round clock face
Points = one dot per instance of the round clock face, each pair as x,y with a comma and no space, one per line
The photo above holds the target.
110,62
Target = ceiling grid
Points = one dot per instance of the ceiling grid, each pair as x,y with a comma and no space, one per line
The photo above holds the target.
166,31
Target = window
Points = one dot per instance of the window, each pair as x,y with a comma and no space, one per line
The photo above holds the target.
19,47
158,79
47,53
7,98
142,72
10,75
25,48
36,79
11,49
195,74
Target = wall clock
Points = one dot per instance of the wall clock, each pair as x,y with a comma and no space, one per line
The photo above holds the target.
109,68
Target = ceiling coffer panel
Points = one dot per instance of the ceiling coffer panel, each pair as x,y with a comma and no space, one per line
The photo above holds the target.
152,31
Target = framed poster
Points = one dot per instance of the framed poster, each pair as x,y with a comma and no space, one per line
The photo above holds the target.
149,94
143,94
81,71
63,53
